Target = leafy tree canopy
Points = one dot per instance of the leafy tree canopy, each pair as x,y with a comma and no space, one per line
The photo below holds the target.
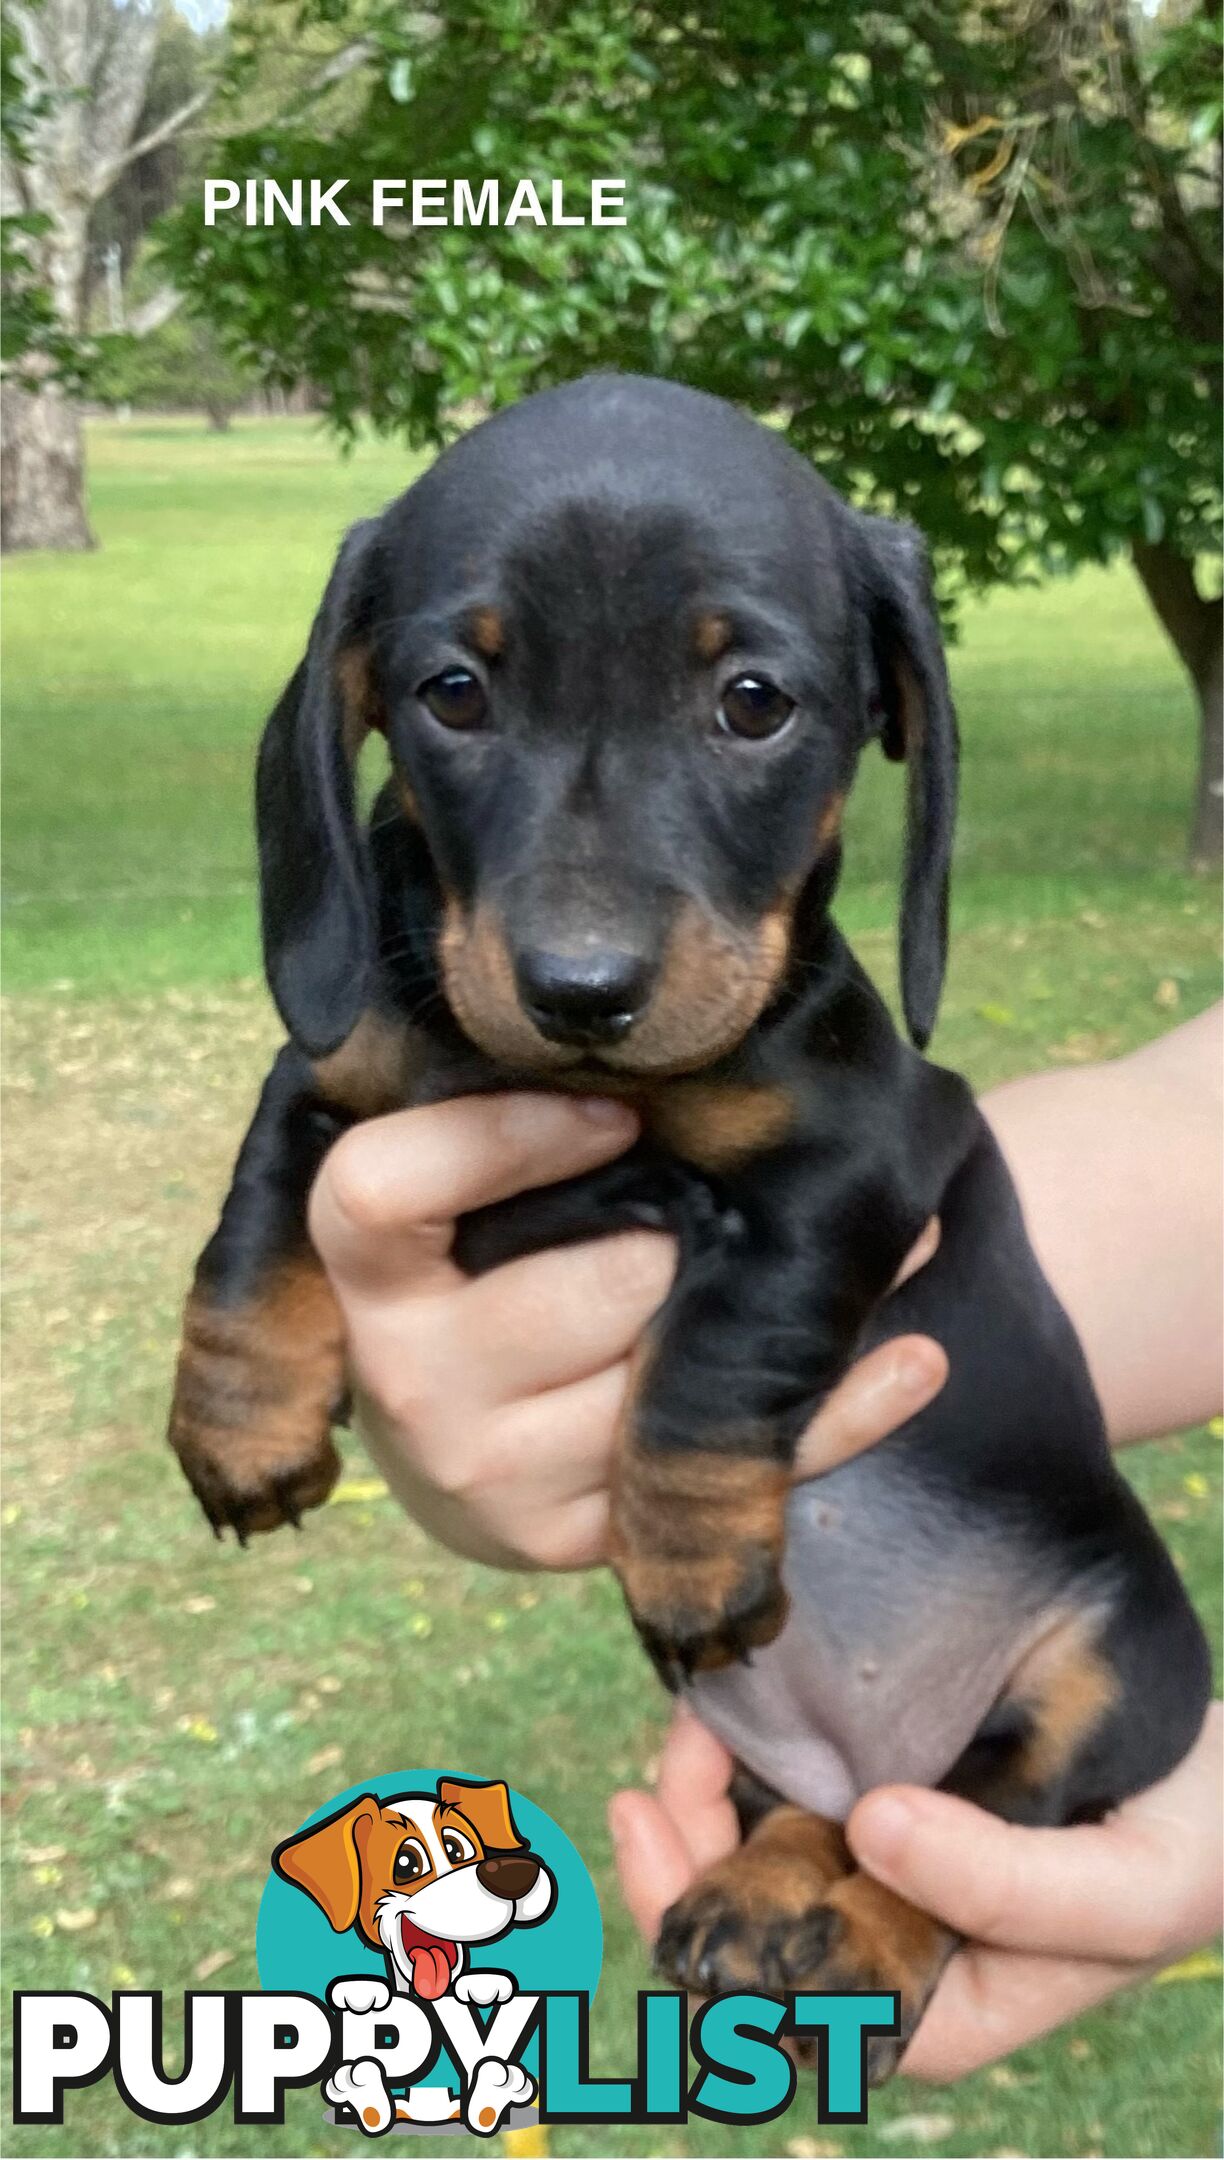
968,255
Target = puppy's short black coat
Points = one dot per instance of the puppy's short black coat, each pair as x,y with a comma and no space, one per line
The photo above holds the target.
625,649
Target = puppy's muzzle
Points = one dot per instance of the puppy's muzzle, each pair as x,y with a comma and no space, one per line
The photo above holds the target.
509,1875
586,998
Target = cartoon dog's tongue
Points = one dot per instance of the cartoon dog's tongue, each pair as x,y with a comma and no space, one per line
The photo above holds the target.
432,1960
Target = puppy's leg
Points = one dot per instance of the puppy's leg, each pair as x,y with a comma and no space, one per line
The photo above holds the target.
764,1317
789,1912
1107,1699
260,1377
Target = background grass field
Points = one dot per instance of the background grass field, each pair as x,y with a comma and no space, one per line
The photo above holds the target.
174,1707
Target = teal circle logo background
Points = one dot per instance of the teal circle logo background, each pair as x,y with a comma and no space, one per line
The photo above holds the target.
298,1951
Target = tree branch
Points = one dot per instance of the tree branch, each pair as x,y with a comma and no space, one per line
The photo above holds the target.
335,69
117,94
163,131
154,311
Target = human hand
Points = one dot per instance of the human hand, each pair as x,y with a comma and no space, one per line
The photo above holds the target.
490,1406
1055,1919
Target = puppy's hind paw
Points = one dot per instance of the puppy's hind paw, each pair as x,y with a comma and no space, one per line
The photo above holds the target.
362,2086
496,2087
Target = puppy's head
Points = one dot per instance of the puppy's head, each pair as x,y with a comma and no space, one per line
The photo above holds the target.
625,648
420,1875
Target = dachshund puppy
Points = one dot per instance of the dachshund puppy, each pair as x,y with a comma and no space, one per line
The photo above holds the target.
626,649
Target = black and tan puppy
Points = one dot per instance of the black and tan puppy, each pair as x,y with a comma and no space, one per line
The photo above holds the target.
626,649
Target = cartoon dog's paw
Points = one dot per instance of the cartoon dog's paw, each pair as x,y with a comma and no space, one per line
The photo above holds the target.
255,1396
697,1545
495,2088
360,1993
483,1988
362,2086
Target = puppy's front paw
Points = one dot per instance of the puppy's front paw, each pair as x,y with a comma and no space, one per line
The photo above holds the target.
483,1988
696,1540
258,1387
777,1918
360,1993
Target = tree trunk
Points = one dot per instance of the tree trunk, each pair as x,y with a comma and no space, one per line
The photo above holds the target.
1196,628
42,471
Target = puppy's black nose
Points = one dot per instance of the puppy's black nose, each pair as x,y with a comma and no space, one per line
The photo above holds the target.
593,996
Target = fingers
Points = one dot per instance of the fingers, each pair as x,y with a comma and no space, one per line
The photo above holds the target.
990,2002
543,1322
1143,1885
892,1383
693,1788
384,1203
524,1486
1043,1890
664,1840
652,1860
889,1385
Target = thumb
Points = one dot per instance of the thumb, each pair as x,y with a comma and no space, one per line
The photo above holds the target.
652,1860
891,1384
1101,1891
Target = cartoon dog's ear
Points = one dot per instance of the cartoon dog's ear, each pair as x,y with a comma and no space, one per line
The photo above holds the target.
325,1862
315,895
917,722
487,1808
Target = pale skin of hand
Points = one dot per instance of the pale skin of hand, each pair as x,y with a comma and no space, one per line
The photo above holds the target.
490,1407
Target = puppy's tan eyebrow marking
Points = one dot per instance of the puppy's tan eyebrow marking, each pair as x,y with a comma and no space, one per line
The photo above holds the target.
711,636
488,632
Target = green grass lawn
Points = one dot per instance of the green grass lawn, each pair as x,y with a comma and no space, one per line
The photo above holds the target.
174,1707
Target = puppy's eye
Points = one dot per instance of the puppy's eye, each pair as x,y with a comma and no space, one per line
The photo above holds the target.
410,1862
457,1847
754,708
455,698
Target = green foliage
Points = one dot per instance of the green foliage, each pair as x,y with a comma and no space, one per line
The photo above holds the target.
968,256
182,366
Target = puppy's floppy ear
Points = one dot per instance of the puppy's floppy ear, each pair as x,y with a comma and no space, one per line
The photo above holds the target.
918,723
325,1861
487,1808
316,902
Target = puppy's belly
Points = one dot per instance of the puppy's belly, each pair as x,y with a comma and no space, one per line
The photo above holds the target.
908,1612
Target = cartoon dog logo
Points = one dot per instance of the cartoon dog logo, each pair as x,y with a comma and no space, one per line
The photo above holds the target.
423,1876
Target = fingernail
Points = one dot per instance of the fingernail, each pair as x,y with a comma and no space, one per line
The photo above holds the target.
605,1110
920,1370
